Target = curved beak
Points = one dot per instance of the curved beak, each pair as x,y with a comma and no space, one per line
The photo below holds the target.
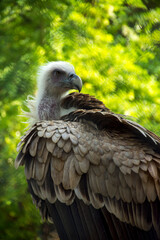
76,82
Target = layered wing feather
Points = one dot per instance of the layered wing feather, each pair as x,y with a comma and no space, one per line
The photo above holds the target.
98,157
82,101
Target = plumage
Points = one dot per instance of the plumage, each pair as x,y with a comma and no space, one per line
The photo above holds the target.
94,173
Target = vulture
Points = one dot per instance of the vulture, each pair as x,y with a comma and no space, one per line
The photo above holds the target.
93,173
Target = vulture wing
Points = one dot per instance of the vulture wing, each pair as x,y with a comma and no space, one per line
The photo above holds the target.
95,174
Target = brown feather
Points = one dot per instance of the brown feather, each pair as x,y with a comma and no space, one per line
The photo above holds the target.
50,145
152,168
74,177
67,147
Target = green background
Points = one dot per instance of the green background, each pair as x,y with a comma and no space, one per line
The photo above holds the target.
114,47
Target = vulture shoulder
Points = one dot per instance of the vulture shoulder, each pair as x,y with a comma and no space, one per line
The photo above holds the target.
82,101
97,158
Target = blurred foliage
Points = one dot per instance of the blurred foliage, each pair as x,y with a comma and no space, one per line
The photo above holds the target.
114,46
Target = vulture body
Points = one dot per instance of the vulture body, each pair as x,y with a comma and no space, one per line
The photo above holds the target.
93,173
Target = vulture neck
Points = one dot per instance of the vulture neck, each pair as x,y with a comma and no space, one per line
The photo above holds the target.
49,108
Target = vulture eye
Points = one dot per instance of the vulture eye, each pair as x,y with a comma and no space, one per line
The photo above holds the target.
57,72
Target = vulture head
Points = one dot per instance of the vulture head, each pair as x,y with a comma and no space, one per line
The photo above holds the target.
54,80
